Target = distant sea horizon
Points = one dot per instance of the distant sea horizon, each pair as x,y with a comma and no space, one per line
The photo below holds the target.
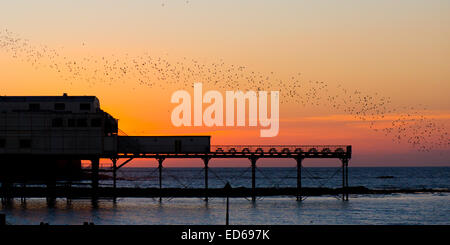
309,166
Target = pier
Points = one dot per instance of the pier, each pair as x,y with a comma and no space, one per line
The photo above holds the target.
45,139
251,152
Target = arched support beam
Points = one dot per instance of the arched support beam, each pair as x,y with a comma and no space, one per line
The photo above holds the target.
123,164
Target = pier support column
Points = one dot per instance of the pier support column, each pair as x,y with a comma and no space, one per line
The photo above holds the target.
6,189
253,161
160,167
114,162
299,178
206,161
51,195
23,199
95,163
114,168
68,190
345,179
2,219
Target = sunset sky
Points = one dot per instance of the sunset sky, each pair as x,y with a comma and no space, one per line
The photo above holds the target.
396,49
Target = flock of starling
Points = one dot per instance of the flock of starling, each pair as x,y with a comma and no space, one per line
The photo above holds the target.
404,124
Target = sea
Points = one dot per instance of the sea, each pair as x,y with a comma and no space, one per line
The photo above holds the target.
431,208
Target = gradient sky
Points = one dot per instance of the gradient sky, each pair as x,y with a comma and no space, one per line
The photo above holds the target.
398,49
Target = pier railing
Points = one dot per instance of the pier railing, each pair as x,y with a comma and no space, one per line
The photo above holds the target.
236,151
280,149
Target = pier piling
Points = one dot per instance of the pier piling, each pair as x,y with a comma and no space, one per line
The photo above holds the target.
345,179
94,172
94,176
114,162
2,219
299,178
253,161
206,161
160,167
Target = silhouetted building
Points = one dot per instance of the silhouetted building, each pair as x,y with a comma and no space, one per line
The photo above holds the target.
46,137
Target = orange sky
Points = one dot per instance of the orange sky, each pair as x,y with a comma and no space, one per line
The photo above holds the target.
394,49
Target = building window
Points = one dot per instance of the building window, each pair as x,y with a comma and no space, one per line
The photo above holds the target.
96,122
2,143
57,122
71,122
25,143
82,122
60,106
85,107
34,107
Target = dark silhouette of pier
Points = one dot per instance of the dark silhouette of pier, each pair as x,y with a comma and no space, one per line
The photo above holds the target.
44,139
251,152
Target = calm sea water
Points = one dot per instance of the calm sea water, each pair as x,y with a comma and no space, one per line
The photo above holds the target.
423,208
398,177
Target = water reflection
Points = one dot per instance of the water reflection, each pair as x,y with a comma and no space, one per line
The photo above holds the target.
361,209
